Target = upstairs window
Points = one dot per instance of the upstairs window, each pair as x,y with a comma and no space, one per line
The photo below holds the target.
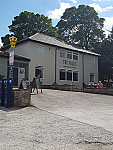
39,50
69,55
62,54
75,56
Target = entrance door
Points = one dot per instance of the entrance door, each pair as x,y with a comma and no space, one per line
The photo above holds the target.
21,74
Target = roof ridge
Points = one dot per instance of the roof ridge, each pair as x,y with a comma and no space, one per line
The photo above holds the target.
39,37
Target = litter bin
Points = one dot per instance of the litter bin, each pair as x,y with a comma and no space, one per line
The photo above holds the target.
1,93
8,93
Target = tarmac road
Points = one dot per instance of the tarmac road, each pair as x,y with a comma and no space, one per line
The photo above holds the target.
93,109
57,122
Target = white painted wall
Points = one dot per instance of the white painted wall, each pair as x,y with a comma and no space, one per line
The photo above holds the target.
3,66
47,60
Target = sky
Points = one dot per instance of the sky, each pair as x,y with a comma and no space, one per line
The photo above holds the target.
53,9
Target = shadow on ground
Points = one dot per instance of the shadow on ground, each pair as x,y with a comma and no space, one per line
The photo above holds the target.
10,109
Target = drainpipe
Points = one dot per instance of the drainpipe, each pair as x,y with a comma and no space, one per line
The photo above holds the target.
55,63
83,67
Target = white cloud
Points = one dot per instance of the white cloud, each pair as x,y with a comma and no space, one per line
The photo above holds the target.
108,24
57,13
74,1
107,8
100,9
96,7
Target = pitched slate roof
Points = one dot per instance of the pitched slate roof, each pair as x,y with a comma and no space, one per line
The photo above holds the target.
45,39
54,42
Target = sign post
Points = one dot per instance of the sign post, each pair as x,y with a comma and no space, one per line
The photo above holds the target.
13,41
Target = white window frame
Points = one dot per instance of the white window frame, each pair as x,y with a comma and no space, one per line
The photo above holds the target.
39,49
62,54
90,77
65,74
66,70
76,55
42,68
78,75
69,53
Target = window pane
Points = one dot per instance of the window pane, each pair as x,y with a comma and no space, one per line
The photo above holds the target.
69,75
75,76
62,74
62,54
39,72
39,50
92,77
69,55
75,56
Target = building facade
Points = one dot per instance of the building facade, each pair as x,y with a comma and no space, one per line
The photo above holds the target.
20,67
57,62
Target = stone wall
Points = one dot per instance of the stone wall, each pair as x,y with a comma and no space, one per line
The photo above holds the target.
21,97
65,87
106,91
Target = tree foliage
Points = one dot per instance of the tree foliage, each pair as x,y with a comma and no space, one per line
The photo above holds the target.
106,59
27,24
5,40
82,26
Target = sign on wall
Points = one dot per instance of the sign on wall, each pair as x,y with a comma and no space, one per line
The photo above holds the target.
11,72
11,58
21,74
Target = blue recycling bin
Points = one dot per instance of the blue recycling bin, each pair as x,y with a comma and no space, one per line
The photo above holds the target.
1,93
8,92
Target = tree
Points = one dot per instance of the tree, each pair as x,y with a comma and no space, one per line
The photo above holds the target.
27,24
82,26
110,36
106,59
5,40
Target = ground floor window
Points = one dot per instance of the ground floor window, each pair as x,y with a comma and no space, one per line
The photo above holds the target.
92,77
62,74
75,76
39,71
69,75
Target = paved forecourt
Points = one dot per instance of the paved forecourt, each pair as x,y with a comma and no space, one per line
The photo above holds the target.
93,109
59,121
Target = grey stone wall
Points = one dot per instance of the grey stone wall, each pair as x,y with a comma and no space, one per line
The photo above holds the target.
106,91
65,87
20,97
